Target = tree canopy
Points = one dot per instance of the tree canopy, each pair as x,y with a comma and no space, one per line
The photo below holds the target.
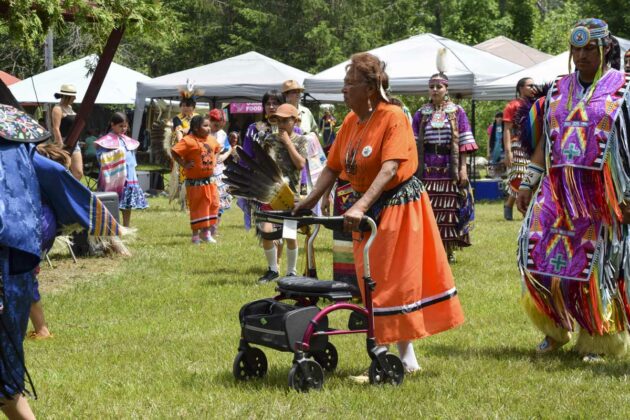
171,35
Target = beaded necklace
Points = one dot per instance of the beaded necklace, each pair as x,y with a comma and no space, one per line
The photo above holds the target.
353,148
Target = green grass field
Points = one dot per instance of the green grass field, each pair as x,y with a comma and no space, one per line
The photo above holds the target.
155,335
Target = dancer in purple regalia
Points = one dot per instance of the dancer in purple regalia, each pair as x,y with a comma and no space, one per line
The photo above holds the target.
574,245
444,138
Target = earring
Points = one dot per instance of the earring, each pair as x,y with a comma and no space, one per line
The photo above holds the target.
369,105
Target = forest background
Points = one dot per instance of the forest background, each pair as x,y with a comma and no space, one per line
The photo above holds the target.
312,35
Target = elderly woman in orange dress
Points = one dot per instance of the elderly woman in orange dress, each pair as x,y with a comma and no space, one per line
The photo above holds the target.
415,294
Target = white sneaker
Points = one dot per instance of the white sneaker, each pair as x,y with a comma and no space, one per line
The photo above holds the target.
207,237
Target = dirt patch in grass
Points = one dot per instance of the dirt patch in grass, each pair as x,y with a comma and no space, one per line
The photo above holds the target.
66,273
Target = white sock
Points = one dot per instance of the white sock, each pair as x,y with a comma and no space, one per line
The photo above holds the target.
272,258
408,356
292,255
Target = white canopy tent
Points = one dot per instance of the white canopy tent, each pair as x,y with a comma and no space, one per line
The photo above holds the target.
242,78
513,51
505,87
119,86
412,61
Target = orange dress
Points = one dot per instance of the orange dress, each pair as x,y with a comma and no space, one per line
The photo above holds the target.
415,294
201,188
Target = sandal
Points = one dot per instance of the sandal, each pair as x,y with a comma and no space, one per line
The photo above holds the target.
32,335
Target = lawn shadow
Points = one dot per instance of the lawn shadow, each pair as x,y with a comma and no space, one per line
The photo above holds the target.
226,280
564,359
496,353
275,379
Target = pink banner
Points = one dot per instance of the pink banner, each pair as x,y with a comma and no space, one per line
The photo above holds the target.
246,108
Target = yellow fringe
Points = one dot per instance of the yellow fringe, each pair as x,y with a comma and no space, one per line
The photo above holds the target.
616,344
543,323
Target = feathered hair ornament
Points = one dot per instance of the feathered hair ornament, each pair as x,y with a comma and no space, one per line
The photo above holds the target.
189,91
441,62
258,178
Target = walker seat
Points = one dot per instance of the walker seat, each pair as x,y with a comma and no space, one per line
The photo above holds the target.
299,286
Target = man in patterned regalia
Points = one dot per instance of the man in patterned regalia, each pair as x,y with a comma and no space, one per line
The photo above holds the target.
574,243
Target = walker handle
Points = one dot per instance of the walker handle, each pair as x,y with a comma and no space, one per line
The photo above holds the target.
306,218
330,222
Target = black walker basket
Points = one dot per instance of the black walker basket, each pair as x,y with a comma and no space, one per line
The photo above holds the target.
278,325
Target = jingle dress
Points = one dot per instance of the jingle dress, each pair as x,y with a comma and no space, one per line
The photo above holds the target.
441,137
414,297
201,187
574,252
520,153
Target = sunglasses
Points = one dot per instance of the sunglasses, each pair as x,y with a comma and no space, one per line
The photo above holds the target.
281,120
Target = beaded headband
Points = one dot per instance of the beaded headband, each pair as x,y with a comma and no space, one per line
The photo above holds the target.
439,80
588,30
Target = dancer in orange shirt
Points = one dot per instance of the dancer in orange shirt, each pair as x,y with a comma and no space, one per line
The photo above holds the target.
415,294
197,154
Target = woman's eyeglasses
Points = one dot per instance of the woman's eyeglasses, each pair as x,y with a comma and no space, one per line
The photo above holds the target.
280,120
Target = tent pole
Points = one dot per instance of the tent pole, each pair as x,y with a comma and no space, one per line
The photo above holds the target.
105,60
472,155
48,64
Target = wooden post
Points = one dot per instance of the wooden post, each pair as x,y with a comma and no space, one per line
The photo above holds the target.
105,60
48,65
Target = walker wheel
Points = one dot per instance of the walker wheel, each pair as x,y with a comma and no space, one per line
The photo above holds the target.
250,363
394,376
306,375
327,358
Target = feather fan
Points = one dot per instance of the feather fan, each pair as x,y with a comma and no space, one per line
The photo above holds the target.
258,178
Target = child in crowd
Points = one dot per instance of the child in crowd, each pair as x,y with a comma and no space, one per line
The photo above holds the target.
181,127
116,155
197,154
288,149
217,122
48,227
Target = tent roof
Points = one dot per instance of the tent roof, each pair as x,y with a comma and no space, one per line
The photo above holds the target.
513,51
412,61
547,71
246,77
7,78
119,86
241,78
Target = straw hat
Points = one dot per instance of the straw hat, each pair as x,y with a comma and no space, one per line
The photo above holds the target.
66,90
290,85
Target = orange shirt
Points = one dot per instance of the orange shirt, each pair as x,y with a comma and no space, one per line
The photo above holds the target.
387,135
203,153
510,110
